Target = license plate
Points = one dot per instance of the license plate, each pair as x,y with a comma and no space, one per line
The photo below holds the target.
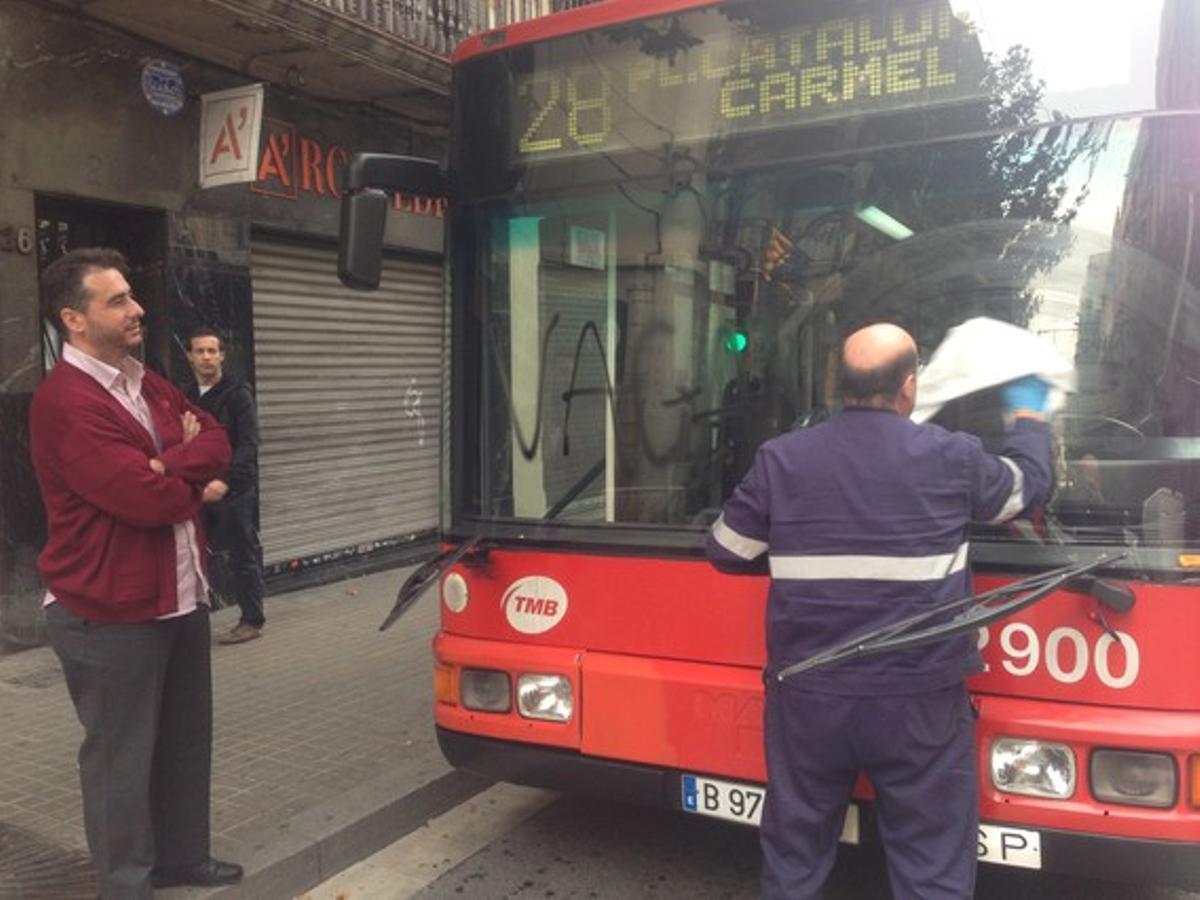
1010,846
737,801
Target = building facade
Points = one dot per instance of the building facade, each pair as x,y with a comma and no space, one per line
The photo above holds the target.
100,144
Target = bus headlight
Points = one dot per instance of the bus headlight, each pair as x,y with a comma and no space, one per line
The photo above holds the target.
545,697
485,690
454,592
1134,779
1033,768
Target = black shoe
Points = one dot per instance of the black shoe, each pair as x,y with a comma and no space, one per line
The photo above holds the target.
209,873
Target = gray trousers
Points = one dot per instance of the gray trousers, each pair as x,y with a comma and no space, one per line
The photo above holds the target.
143,693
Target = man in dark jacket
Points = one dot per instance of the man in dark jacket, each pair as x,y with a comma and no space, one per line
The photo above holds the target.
863,521
231,502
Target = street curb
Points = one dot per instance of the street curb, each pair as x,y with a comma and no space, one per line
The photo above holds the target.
312,856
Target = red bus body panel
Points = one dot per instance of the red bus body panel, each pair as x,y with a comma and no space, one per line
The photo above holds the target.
1085,728
585,18
684,610
682,715
665,661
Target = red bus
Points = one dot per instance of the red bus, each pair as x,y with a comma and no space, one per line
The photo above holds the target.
665,215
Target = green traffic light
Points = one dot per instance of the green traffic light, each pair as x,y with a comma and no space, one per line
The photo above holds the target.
736,342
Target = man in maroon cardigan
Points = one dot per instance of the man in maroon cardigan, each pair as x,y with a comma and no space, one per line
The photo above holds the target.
121,458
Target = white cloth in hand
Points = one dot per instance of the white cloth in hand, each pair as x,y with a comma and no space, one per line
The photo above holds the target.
982,353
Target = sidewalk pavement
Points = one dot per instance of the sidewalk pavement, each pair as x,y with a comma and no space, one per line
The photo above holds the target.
323,748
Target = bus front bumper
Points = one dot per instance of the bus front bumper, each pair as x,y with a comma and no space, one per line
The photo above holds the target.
1089,855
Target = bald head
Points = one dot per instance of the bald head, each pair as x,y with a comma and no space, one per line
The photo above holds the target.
879,365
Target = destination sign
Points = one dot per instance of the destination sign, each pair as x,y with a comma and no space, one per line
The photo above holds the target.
719,72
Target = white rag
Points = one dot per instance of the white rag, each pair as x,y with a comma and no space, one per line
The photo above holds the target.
982,353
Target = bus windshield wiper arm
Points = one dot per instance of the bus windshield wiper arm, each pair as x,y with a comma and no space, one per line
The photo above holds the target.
430,571
575,490
423,576
980,609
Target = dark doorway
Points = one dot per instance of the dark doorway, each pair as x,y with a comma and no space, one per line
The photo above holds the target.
63,224
66,223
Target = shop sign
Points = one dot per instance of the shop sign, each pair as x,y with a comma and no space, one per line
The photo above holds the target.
292,164
230,129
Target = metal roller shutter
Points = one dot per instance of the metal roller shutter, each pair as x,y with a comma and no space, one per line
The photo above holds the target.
349,387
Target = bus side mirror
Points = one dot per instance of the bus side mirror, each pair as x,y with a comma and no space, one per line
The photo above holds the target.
360,243
369,178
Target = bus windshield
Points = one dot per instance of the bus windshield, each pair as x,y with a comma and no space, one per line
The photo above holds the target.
644,310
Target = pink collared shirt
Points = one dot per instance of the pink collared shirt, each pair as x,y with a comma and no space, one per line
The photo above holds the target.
125,385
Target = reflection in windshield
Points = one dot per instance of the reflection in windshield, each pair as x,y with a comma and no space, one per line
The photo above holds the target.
717,206
713,311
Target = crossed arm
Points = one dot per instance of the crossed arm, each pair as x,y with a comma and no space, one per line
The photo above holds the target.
108,470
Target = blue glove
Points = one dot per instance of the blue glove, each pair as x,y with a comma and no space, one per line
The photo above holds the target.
1028,393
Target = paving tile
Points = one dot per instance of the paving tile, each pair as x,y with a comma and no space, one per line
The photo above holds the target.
320,707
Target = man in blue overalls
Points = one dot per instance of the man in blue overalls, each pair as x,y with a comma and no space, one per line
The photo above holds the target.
863,520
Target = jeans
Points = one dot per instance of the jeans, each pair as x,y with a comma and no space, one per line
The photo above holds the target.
236,554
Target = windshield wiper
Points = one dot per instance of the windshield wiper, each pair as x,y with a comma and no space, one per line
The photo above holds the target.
430,571
575,490
980,609
423,576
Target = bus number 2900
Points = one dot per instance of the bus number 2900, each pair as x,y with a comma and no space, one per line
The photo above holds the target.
1067,654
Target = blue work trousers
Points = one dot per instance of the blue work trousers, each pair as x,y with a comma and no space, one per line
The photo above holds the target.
918,750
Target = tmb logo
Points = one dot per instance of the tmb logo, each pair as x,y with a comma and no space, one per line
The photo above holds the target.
534,604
